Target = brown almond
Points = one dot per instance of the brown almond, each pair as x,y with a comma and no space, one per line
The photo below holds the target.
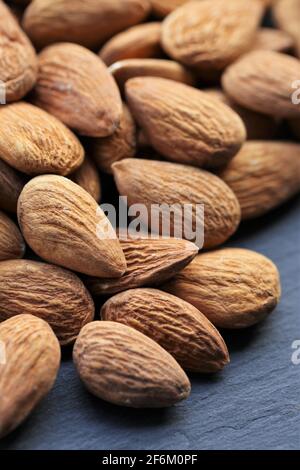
286,14
141,41
12,245
51,293
77,233
184,124
89,23
162,8
84,97
174,324
263,176
125,367
11,185
34,142
155,182
122,144
150,262
263,80
18,62
131,68
88,178
232,287
31,362
271,39
210,35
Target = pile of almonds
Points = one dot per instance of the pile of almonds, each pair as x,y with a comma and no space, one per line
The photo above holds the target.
183,102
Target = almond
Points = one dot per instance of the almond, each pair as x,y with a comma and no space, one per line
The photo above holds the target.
89,102
77,233
162,8
273,40
32,359
18,62
184,124
124,367
89,23
263,176
176,185
34,142
209,35
88,178
263,80
174,324
122,144
286,14
11,184
232,287
258,126
51,293
141,41
12,245
130,68
149,262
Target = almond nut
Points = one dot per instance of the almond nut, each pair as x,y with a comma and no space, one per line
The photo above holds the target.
88,178
11,185
12,245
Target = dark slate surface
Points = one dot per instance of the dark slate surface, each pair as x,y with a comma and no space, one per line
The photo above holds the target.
253,404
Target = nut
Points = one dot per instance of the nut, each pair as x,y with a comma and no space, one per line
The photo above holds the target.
88,178
11,185
12,245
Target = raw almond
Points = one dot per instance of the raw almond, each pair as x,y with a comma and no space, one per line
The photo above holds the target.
130,68
162,8
185,124
34,142
122,144
263,176
11,184
51,293
89,23
286,14
155,182
125,367
32,359
209,35
149,262
271,39
263,80
62,223
84,97
88,178
232,287
18,62
141,41
258,126
12,245
174,324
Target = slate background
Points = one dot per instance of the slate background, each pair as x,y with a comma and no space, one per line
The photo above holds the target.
253,404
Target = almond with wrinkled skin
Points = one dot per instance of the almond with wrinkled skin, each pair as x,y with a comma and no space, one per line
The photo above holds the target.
184,124
12,245
258,126
51,293
141,41
32,359
18,62
262,81
122,144
286,14
88,178
176,325
209,35
174,184
271,39
232,287
11,185
63,224
149,262
125,367
130,68
89,23
34,142
263,176
84,97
